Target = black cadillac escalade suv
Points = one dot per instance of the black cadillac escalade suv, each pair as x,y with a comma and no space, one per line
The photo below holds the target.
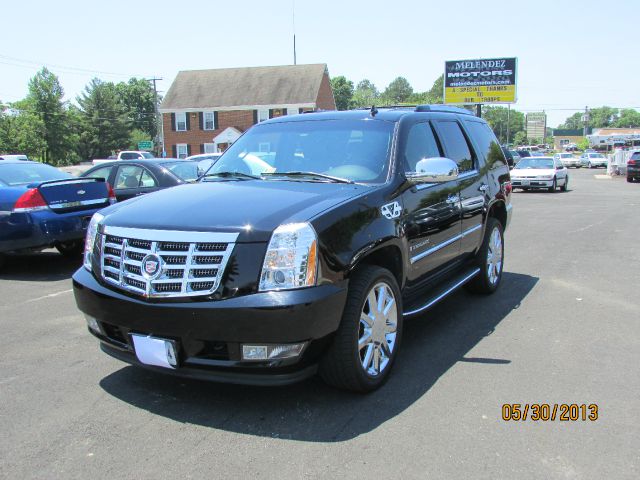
302,249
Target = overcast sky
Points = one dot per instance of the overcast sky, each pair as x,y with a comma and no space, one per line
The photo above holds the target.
570,53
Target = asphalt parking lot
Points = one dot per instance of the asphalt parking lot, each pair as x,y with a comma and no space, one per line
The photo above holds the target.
563,328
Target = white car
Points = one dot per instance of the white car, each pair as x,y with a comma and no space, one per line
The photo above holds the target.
14,157
205,160
592,160
540,172
568,160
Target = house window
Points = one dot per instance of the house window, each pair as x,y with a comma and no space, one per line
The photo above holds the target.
209,121
210,148
182,150
292,111
181,122
263,114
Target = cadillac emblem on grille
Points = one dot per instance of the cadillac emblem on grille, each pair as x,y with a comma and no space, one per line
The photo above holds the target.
163,263
151,266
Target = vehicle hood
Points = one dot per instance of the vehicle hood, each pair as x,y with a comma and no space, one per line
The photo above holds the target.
532,172
253,208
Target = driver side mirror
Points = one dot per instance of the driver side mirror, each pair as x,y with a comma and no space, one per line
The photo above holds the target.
434,170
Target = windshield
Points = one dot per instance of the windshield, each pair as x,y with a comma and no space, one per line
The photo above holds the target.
185,170
20,174
596,155
537,163
356,150
566,155
147,155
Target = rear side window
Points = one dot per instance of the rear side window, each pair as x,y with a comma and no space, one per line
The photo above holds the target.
103,172
421,143
486,142
456,146
635,156
128,177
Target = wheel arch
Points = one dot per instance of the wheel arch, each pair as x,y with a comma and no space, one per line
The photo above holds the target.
387,255
498,210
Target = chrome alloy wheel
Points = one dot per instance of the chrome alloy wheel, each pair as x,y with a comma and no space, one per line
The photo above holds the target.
378,329
494,256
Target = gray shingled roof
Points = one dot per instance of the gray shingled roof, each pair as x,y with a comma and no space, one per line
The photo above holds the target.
230,87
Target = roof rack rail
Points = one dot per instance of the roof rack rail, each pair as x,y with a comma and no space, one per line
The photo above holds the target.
442,108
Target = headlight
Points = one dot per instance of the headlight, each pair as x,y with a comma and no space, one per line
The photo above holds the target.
90,240
291,259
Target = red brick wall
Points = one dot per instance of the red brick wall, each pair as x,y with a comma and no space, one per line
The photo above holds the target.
194,137
325,100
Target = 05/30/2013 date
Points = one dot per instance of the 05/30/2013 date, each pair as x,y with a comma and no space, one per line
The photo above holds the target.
546,412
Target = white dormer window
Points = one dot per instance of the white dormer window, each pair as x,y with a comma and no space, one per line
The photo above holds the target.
181,122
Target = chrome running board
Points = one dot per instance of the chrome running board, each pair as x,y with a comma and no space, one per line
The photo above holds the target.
441,293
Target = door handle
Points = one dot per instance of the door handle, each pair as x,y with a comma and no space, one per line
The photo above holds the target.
484,187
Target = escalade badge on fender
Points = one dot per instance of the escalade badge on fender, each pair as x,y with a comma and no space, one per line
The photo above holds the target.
391,210
151,266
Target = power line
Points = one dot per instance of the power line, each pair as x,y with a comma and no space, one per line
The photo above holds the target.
8,60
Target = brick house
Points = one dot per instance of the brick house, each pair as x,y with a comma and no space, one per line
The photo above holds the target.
205,111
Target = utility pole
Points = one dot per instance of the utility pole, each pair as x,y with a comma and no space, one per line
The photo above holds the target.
585,121
159,139
508,126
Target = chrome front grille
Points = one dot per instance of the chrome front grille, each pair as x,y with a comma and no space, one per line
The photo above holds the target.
189,263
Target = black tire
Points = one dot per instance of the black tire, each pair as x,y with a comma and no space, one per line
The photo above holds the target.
553,187
481,283
342,365
72,249
565,187
630,179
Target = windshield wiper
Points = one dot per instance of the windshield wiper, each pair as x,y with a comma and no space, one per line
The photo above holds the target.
230,175
309,174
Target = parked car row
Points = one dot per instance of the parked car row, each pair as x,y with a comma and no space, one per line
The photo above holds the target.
540,173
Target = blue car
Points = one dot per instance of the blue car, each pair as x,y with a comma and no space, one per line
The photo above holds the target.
42,207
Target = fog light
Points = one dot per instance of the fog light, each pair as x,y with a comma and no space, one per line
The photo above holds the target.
272,352
93,324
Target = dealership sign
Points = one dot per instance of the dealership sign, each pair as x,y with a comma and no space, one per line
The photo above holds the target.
490,80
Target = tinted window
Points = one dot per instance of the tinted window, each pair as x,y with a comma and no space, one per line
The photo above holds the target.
486,142
128,176
635,156
456,146
421,143
103,172
129,156
22,173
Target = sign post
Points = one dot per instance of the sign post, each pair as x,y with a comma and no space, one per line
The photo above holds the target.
475,82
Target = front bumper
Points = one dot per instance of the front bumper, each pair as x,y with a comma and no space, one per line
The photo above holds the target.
209,334
531,183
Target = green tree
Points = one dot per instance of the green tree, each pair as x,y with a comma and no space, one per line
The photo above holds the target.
627,118
436,94
22,133
45,99
497,118
136,137
398,91
104,125
520,138
365,94
342,92
574,122
138,97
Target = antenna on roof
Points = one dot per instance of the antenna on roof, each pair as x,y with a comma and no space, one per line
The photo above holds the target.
294,32
374,111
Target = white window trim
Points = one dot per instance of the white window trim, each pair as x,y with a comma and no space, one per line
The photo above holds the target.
184,116
186,150
263,114
204,120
